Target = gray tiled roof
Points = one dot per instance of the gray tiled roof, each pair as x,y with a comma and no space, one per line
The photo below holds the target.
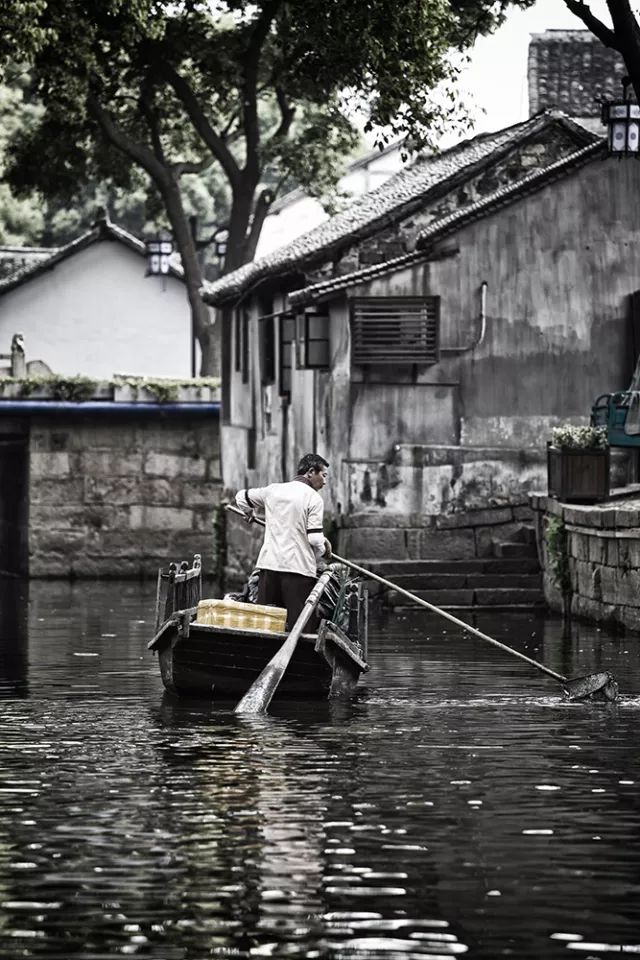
392,200
103,229
14,259
446,225
571,70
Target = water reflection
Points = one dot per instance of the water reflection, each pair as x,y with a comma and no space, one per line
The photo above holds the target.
457,805
14,637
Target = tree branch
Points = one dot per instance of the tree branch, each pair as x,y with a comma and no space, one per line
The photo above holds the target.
263,204
625,27
209,136
287,113
137,152
250,84
596,26
194,166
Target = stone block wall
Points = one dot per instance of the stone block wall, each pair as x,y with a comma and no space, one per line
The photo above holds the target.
602,548
114,497
472,533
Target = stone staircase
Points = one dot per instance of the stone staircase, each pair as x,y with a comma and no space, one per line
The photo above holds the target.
510,579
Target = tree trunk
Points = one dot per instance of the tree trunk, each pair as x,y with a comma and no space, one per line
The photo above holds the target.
203,324
239,220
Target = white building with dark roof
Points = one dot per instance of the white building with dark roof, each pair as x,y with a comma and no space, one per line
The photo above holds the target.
89,308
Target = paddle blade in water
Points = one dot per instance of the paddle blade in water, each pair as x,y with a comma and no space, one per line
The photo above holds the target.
600,686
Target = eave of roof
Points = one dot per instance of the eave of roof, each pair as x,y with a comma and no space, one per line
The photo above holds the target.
393,200
103,229
508,194
438,230
317,291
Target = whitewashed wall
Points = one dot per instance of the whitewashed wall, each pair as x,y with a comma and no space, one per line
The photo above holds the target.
96,314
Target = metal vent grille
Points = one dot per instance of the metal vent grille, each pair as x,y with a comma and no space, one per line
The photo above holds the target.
394,330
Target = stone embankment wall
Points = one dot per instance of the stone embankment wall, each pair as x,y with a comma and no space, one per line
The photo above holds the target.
376,536
599,547
116,498
472,533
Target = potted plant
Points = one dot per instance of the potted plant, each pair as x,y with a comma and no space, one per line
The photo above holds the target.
578,464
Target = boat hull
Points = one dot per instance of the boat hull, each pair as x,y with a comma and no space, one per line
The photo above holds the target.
199,660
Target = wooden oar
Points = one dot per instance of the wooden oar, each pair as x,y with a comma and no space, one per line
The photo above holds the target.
259,695
576,689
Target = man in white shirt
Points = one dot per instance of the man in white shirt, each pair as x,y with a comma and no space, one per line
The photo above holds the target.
294,541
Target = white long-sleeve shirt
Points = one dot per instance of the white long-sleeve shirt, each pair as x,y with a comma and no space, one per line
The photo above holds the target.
293,513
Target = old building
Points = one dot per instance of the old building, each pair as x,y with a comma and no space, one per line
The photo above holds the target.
101,476
426,340
88,307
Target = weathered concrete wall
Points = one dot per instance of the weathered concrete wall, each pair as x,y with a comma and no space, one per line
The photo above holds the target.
603,555
119,498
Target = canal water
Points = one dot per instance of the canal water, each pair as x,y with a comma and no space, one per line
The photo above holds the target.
457,807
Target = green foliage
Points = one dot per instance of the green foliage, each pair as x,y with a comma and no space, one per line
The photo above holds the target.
572,437
79,389
75,389
557,551
163,390
259,91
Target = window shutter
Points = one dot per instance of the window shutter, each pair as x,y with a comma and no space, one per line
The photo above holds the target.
394,330
287,333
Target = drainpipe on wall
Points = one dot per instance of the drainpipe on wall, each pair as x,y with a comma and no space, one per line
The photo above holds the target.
454,351
483,311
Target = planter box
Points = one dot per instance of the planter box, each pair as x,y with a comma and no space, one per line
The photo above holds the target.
578,476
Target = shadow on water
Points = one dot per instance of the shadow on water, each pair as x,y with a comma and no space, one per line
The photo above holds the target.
14,637
458,805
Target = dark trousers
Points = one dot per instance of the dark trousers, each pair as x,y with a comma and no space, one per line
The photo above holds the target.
288,590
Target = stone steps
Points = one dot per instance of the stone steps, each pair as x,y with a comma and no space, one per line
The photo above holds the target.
510,579
394,568
461,598
462,580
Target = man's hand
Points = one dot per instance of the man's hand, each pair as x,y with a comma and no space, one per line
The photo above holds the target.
328,552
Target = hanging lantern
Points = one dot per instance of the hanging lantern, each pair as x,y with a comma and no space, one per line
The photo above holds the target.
622,119
159,252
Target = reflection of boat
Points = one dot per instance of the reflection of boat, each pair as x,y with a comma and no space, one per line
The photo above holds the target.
202,660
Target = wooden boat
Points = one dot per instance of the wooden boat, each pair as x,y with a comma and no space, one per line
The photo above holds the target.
200,660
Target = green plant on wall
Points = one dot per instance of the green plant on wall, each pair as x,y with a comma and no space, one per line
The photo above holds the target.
558,553
75,389
164,390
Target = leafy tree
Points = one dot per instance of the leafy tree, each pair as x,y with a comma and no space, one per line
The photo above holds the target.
623,35
262,90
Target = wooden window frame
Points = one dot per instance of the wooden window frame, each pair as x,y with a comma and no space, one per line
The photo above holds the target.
304,339
287,324
267,339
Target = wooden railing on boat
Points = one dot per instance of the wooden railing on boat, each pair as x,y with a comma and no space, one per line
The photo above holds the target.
179,588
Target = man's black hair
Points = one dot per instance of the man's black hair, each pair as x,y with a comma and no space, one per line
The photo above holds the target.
311,461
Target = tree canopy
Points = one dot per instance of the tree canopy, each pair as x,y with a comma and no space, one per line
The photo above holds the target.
264,91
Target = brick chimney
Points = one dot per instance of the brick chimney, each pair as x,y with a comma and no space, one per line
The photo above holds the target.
571,70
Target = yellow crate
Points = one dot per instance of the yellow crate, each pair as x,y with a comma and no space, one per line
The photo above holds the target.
241,616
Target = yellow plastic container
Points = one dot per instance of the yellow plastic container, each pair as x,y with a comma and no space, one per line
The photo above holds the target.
241,616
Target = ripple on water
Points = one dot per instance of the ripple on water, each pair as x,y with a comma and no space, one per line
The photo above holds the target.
436,815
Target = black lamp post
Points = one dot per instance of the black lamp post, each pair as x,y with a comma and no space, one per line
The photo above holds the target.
622,119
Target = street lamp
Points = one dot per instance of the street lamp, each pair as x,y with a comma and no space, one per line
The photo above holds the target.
158,251
622,119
